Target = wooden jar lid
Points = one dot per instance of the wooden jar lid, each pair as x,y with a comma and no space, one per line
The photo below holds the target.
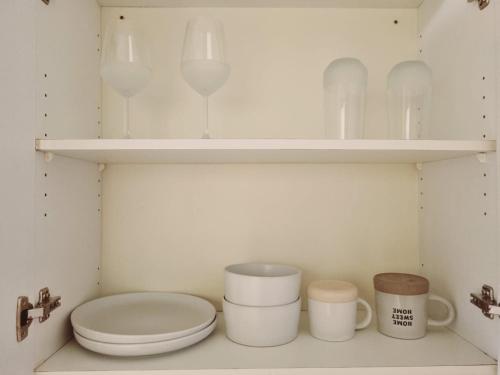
401,283
332,291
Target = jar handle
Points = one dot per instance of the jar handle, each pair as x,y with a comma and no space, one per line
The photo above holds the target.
368,318
451,312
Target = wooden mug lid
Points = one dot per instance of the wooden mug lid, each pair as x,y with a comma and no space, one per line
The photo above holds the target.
332,291
401,283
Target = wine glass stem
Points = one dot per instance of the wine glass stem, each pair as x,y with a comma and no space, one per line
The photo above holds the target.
127,118
206,133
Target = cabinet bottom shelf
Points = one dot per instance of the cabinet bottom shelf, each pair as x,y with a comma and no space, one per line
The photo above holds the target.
440,352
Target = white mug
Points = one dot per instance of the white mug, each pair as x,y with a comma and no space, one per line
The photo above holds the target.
405,316
336,321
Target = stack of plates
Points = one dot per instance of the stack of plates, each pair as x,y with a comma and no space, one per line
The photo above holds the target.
136,324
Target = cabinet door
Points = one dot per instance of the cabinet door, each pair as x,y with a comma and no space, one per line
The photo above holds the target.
17,164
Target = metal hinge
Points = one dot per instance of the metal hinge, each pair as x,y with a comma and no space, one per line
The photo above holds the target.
486,302
26,313
482,3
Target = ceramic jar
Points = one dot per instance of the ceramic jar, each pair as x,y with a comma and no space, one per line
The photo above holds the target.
333,310
401,303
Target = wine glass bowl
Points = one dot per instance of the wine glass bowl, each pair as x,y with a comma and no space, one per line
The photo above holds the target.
205,76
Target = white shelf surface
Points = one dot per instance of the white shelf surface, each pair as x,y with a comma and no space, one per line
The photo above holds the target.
440,352
264,3
262,150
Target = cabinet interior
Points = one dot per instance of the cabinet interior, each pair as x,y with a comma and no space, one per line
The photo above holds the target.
174,227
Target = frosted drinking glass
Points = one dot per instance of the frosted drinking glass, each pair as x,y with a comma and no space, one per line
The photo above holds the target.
344,84
409,90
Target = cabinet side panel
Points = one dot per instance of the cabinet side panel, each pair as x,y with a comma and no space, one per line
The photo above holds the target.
67,241
458,232
457,41
67,191
68,53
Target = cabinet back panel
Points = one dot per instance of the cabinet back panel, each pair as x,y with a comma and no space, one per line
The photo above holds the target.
277,59
175,227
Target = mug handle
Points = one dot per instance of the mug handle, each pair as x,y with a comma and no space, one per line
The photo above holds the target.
368,318
451,312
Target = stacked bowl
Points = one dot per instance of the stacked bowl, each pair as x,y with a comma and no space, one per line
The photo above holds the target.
261,303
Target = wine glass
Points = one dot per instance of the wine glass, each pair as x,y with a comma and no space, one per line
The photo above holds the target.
125,63
204,65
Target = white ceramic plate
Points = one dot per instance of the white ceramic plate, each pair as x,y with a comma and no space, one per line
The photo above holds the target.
135,318
133,350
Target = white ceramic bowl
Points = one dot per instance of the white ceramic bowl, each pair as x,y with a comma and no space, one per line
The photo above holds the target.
260,284
262,326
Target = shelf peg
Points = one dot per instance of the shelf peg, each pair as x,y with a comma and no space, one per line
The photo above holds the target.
48,156
481,156
102,167
419,166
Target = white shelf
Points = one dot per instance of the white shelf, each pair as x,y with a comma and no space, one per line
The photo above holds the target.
440,352
264,3
261,150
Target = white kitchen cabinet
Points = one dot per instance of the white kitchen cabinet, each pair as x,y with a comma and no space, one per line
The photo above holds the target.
87,214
